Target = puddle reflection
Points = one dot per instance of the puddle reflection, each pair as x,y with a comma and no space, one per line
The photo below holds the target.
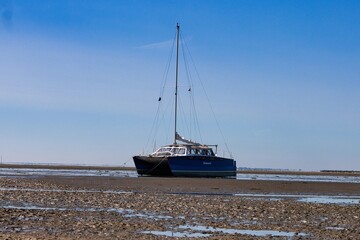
305,198
298,178
177,234
205,231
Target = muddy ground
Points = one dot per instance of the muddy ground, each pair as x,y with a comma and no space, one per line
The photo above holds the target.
55,207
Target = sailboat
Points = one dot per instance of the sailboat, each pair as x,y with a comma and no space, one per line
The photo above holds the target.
184,158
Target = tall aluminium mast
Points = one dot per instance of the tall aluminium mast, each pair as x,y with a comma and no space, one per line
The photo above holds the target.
176,78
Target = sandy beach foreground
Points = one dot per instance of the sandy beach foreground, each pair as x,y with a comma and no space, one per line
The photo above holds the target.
65,207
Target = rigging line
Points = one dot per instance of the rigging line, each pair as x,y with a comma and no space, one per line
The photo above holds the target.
190,115
188,77
188,72
183,115
207,97
124,164
170,120
167,68
197,125
150,170
163,118
154,127
191,91
195,119
158,119
154,124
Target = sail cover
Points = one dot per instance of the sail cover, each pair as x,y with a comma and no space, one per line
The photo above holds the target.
180,138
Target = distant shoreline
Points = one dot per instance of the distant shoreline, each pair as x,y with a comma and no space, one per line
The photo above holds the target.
315,173
124,168
65,167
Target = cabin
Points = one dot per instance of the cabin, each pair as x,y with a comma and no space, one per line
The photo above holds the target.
183,150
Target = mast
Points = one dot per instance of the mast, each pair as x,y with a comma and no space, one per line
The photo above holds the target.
176,77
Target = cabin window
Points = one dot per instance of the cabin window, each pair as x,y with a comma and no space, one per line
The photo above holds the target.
177,150
163,150
182,151
204,152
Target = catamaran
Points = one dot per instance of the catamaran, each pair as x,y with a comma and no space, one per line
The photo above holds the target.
184,158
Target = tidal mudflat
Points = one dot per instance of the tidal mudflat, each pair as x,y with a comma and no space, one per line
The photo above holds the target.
108,207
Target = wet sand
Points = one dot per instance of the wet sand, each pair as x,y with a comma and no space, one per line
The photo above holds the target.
57,207
202,185
89,167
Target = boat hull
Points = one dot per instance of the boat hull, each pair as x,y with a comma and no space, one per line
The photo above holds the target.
185,166
154,166
200,166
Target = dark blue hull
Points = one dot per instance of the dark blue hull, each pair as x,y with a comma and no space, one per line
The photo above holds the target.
185,166
200,166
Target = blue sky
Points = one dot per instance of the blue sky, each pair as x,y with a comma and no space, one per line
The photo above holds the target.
79,80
